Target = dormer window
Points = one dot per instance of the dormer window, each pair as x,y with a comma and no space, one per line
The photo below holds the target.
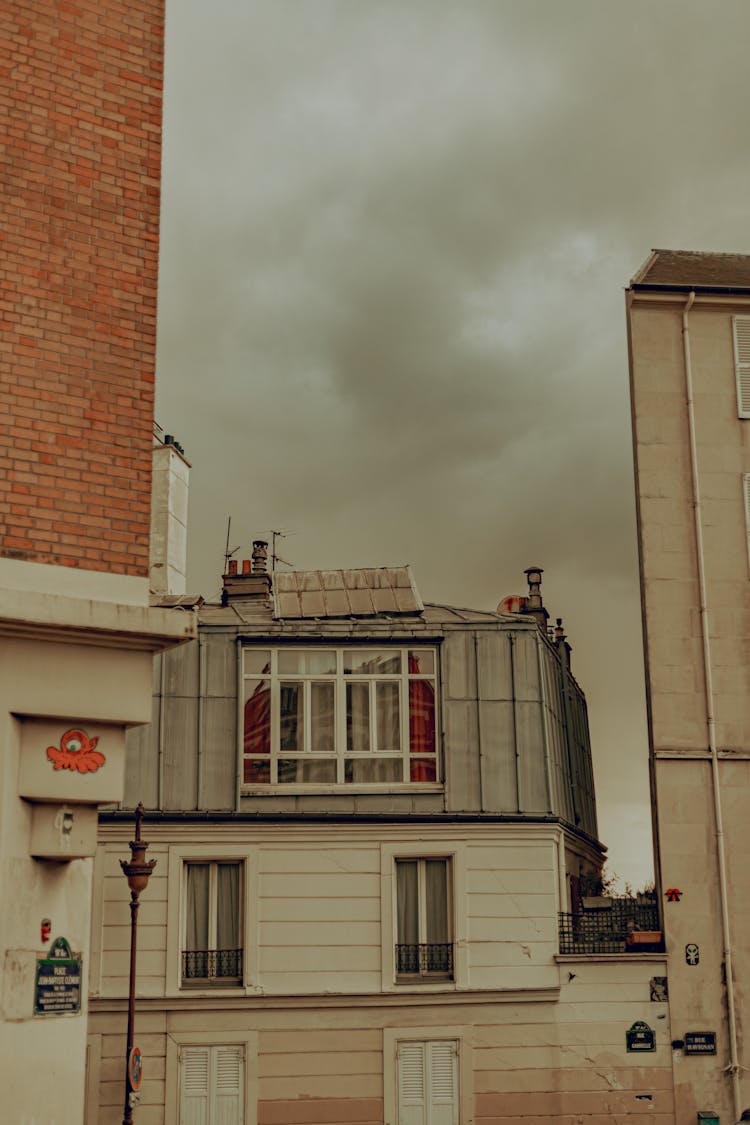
339,716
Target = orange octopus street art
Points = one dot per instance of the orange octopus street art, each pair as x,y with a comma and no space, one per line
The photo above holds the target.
76,752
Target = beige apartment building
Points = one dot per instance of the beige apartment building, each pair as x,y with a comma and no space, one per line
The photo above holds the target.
689,338
372,820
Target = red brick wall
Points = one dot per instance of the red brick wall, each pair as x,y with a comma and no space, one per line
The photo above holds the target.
80,110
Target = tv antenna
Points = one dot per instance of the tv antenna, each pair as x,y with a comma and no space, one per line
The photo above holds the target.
275,534
227,553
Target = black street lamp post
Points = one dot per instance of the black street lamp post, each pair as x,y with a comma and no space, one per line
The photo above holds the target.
137,873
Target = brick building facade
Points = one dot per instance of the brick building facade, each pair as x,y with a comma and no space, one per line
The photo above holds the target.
81,98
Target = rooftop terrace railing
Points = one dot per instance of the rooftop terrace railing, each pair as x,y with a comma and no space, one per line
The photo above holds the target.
620,925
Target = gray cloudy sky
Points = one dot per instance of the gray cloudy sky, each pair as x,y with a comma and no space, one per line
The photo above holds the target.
395,237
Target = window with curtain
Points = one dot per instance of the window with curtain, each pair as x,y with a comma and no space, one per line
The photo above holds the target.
424,934
212,948
339,716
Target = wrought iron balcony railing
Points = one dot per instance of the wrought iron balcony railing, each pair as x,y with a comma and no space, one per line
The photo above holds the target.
212,966
425,960
610,929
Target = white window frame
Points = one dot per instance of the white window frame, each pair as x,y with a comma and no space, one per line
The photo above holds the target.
423,849
213,904
340,754
746,504
741,342
463,1036
248,1040
176,905
421,862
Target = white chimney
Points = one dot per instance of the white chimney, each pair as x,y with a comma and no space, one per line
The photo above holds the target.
169,512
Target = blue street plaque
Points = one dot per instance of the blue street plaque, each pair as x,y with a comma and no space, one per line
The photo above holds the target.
640,1037
700,1042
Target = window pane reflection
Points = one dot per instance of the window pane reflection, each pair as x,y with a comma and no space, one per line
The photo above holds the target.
321,718
387,696
358,717
291,729
372,662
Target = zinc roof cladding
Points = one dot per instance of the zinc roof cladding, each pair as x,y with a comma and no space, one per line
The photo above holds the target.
694,269
368,592
434,618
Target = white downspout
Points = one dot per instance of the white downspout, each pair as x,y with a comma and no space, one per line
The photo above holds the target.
734,1065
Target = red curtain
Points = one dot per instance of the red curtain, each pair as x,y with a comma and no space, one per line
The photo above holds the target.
257,732
421,726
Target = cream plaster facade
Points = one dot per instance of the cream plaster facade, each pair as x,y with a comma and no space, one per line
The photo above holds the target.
64,663
691,452
320,1014
324,1023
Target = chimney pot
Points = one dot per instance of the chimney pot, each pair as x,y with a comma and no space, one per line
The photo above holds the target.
232,569
534,605
260,556
246,566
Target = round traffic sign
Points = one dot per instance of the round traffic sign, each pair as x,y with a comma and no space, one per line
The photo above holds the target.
135,1068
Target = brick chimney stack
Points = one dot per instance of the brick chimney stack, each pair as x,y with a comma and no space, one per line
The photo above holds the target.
253,583
170,478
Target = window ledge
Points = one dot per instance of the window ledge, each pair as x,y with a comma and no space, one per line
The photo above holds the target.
564,958
343,790
206,992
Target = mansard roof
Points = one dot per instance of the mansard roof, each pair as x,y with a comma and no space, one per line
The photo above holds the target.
694,269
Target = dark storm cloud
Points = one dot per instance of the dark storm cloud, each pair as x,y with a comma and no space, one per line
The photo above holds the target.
394,242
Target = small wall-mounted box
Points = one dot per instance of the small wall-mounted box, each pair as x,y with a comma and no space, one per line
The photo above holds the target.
708,1117
63,832
71,762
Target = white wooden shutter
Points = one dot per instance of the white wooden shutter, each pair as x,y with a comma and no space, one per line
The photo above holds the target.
227,1086
412,1108
442,1082
746,497
742,363
195,1068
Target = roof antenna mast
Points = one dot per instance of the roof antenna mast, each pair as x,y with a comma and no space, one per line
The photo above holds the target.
274,557
227,553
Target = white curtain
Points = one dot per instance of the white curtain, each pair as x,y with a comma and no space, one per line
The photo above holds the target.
407,902
196,936
436,889
228,906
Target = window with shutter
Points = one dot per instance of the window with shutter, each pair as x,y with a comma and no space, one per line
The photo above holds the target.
195,1064
227,1092
428,1082
211,1081
742,363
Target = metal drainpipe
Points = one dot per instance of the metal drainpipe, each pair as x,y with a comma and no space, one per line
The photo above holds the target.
562,653
199,732
734,1065
240,714
162,724
545,720
514,713
479,722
